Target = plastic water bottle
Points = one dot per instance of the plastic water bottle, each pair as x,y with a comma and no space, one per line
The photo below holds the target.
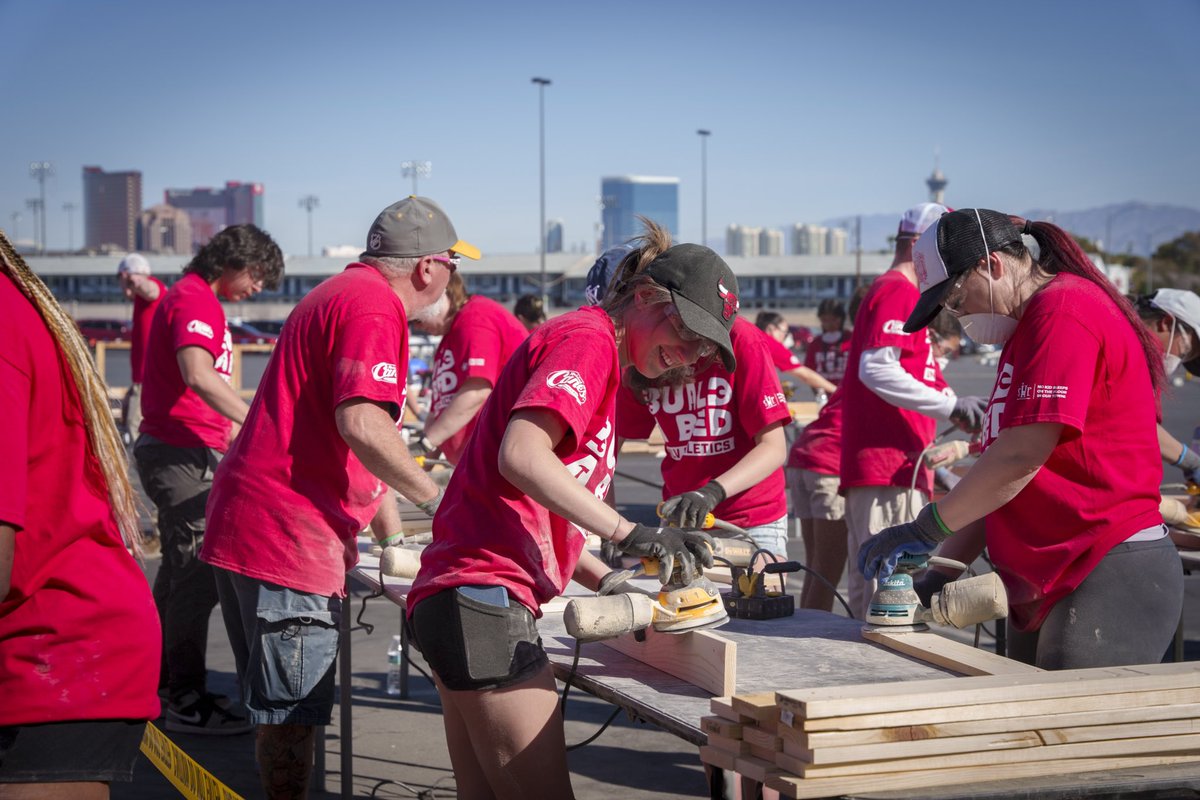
393,670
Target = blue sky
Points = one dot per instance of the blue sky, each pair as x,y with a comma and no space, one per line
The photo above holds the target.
817,109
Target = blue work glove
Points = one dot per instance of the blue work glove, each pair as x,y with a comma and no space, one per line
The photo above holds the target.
689,510
683,546
879,554
968,413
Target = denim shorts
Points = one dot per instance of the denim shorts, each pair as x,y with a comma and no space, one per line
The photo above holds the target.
285,644
476,637
771,536
54,752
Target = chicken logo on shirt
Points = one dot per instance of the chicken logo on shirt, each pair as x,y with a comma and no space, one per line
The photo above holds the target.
202,328
731,301
384,372
570,382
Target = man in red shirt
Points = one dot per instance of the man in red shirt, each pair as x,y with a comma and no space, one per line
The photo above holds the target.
773,324
894,394
146,291
826,354
189,407
311,467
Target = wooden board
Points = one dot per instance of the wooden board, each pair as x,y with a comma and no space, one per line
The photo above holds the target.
714,756
802,788
760,707
699,657
834,701
936,649
756,768
721,727
723,708
760,738
734,746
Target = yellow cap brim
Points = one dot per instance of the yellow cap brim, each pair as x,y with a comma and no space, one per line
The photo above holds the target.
465,249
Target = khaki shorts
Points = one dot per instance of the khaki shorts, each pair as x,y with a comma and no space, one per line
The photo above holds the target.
815,495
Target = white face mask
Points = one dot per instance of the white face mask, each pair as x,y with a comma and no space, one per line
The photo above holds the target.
789,342
943,362
831,338
990,328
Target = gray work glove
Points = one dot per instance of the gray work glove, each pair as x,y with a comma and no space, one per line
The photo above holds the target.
683,546
430,507
879,554
617,582
969,412
689,510
1189,465
929,584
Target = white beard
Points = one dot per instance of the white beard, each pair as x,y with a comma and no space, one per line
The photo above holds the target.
434,311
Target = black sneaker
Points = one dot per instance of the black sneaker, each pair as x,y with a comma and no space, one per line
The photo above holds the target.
203,715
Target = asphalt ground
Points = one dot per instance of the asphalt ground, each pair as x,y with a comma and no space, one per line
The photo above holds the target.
399,747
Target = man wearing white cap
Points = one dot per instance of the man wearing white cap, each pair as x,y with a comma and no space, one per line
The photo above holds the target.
894,393
133,273
1173,315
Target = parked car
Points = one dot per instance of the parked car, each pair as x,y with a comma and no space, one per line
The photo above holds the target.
274,326
105,330
245,333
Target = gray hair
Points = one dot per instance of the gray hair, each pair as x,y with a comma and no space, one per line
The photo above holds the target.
392,265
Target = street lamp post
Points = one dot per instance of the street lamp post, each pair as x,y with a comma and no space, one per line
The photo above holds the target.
542,83
703,134
39,171
70,209
308,203
414,170
34,204
16,232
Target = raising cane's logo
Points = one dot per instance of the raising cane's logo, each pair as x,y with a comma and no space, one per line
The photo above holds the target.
202,328
384,372
922,270
731,301
570,382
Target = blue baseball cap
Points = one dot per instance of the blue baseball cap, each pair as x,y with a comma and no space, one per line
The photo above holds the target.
601,274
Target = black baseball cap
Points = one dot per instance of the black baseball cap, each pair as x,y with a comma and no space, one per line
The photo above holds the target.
705,291
414,227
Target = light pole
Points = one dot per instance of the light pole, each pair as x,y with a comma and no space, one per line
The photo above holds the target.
35,205
542,83
415,169
70,209
16,232
308,203
39,171
703,134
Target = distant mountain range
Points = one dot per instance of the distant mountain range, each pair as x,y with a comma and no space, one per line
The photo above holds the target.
1134,227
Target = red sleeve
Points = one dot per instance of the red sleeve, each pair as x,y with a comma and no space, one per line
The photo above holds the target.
1043,381
760,398
810,355
570,377
887,311
634,420
370,359
482,348
15,391
780,356
198,324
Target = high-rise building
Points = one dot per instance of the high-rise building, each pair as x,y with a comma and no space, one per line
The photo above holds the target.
937,184
741,241
835,242
625,198
554,236
212,210
112,202
809,240
165,229
770,242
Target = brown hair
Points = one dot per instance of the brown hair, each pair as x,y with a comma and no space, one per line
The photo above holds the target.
103,440
456,293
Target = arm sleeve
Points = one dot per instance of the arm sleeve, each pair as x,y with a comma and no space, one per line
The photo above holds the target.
15,391
634,420
570,378
367,360
880,371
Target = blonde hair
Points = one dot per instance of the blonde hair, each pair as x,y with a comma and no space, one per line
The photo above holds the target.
102,437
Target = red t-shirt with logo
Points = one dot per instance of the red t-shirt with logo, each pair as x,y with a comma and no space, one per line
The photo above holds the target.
79,636
188,316
881,447
709,425
828,358
489,532
143,318
1074,359
482,336
819,446
289,499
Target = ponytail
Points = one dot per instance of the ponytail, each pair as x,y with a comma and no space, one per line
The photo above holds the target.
1061,254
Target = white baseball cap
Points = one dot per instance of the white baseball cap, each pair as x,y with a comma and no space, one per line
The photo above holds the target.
1185,307
134,264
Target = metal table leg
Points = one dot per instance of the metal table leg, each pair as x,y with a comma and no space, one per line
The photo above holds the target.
345,678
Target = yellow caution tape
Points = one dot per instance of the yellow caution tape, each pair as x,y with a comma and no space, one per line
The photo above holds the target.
192,780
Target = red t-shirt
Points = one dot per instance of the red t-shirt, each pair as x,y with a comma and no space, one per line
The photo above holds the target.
1074,359
143,318
783,359
188,316
828,359
881,447
79,636
819,446
709,425
289,499
482,336
489,532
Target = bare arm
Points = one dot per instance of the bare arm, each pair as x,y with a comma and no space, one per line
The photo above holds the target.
768,454
1169,446
386,521
590,570
8,544
965,545
371,434
528,462
1004,469
463,407
196,365
147,290
813,379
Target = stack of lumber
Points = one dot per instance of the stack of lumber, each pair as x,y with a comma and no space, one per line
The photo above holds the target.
876,737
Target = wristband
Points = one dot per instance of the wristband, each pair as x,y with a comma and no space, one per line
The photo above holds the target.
393,539
1182,453
617,527
938,519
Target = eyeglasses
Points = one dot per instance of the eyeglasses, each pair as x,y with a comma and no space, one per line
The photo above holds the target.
954,298
706,346
451,262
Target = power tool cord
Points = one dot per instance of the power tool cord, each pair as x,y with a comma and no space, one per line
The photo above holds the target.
562,703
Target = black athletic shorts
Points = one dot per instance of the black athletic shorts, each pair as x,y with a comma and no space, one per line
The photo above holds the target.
477,637
55,752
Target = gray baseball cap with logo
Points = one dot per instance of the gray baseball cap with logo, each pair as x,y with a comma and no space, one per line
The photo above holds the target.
414,227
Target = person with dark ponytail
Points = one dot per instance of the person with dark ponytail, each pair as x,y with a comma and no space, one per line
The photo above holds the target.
1068,481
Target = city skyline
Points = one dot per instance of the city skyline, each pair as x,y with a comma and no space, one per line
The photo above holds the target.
1061,109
